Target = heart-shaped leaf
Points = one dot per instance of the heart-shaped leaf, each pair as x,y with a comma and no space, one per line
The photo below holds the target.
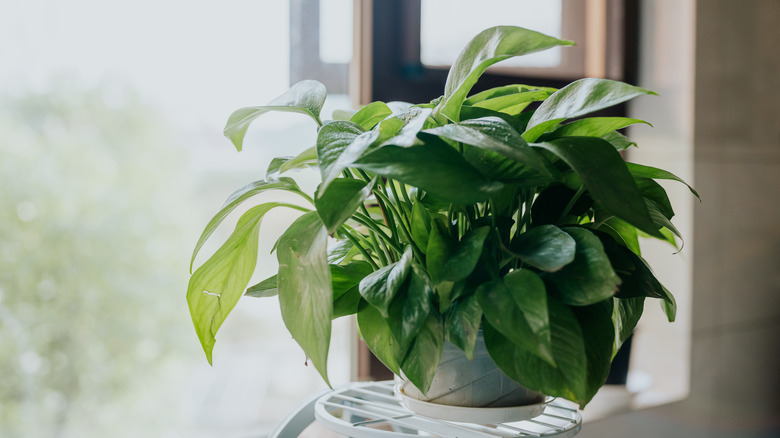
462,324
380,287
378,337
546,247
590,277
411,307
422,359
516,306
305,294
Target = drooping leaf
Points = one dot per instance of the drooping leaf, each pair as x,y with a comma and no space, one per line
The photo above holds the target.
420,225
305,294
341,199
411,307
622,232
516,306
423,356
598,334
380,287
654,192
377,336
431,167
487,48
625,315
266,288
577,99
216,286
640,171
590,277
604,174
618,141
305,97
241,195
568,379
494,134
371,114
462,323
593,127
546,247
281,165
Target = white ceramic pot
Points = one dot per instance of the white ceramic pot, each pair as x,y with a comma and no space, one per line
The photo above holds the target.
472,383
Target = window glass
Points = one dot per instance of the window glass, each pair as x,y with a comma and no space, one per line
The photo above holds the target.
112,161
447,25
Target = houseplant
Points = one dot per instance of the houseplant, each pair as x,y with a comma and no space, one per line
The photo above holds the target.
493,210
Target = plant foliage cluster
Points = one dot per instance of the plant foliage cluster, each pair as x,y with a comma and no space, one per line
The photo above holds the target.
508,210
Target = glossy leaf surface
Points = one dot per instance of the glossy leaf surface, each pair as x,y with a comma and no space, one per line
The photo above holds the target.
380,340
411,307
577,99
423,356
463,321
516,306
546,247
340,201
487,48
381,286
590,277
305,97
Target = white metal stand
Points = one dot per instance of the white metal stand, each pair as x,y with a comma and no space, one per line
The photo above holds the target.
370,409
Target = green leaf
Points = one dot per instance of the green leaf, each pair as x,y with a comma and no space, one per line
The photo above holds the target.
593,127
241,195
618,141
422,359
604,174
640,171
464,258
411,307
577,99
494,134
347,303
340,201
280,165
377,336
340,251
596,324
305,295
305,97
625,315
487,48
346,277
514,103
590,277
413,121
622,232
371,114
266,288
546,247
462,324
440,248
653,191
380,287
435,168
339,144
516,306
332,141
215,287
421,225
568,379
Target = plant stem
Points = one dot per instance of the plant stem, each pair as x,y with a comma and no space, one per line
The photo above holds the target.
356,241
571,203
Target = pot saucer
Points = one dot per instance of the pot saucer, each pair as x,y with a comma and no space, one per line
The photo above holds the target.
462,414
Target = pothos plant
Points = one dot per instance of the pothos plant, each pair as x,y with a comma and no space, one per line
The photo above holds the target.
509,210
